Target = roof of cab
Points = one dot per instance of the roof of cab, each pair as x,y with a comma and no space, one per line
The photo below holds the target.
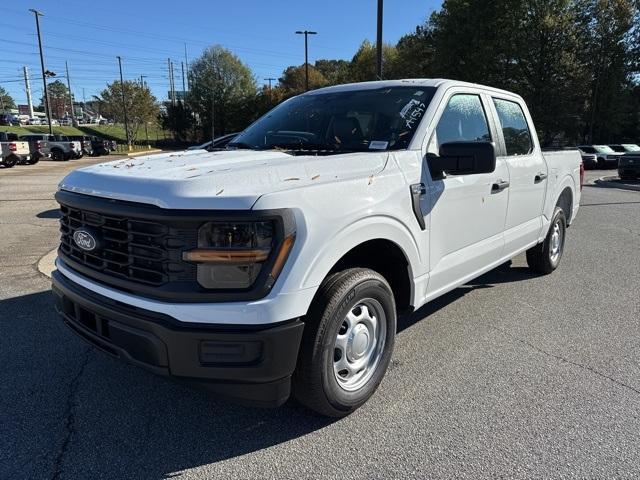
418,82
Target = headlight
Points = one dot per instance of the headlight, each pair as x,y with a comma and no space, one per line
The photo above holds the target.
232,255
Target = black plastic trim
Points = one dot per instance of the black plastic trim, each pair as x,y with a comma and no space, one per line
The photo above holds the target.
189,292
157,343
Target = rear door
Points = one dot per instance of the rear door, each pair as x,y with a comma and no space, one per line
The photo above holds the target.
527,173
467,212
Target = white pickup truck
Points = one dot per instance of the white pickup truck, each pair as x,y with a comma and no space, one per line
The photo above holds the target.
13,150
279,265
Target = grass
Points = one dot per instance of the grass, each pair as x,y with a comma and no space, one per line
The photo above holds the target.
109,132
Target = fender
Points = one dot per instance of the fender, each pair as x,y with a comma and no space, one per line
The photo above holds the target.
380,227
552,199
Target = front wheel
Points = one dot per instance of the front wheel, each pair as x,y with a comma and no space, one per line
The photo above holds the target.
347,342
545,257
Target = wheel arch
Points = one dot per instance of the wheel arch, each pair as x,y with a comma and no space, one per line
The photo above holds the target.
379,245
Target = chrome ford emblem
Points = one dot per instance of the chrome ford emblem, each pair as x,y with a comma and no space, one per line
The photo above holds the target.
85,240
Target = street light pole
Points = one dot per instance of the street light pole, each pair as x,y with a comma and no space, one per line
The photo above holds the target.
379,42
306,33
124,104
47,105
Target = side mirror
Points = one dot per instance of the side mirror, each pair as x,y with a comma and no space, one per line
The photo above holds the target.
463,158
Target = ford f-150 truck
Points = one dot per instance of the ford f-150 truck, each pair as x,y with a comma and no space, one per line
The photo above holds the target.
279,265
13,150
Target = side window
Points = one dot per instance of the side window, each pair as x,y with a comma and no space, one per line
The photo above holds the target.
463,120
517,137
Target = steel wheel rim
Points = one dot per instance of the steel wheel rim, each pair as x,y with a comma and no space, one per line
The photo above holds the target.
557,239
359,344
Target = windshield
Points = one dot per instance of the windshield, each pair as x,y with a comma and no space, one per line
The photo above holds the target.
604,149
631,147
338,122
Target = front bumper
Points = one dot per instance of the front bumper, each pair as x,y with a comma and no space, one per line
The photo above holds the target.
629,170
249,365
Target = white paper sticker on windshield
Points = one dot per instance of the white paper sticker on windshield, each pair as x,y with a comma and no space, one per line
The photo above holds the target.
378,145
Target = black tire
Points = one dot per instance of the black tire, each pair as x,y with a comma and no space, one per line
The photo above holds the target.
544,258
10,161
316,382
58,155
35,158
600,163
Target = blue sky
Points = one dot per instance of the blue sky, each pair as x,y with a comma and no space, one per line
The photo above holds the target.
89,35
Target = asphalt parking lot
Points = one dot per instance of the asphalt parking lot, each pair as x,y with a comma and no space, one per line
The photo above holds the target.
513,375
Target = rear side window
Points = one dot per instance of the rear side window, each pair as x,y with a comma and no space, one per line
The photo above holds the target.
463,120
517,137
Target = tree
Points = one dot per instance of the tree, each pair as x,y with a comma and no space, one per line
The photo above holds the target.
609,51
415,53
293,79
334,71
363,64
59,98
6,100
141,105
222,89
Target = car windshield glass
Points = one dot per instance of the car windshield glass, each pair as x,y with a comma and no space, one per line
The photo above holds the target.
343,121
631,147
604,149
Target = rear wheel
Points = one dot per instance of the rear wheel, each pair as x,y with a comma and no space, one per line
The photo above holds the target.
58,154
347,342
10,161
35,158
545,257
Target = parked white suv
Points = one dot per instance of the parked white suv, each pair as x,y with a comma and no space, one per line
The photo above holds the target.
280,264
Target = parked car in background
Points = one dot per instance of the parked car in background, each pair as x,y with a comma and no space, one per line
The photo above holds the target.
606,156
58,149
34,121
13,150
629,165
9,120
76,145
99,146
38,149
66,122
55,123
113,145
218,143
625,147
589,160
279,265
85,143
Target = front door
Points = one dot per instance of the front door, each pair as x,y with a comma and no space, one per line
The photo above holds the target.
467,211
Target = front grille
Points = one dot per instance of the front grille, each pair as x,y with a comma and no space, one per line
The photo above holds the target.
129,249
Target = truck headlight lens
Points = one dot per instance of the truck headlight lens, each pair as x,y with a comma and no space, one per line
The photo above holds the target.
231,255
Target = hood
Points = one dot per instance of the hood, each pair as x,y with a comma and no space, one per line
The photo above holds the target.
226,180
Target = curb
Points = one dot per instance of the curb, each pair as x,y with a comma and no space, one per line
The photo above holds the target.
613,182
47,263
144,152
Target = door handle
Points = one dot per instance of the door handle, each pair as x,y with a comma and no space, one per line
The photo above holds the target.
499,186
540,176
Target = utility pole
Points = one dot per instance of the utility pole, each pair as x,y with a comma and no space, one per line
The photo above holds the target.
186,63
379,42
172,96
74,122
183,84
124,104
270,79
27,87
306,33
47,105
